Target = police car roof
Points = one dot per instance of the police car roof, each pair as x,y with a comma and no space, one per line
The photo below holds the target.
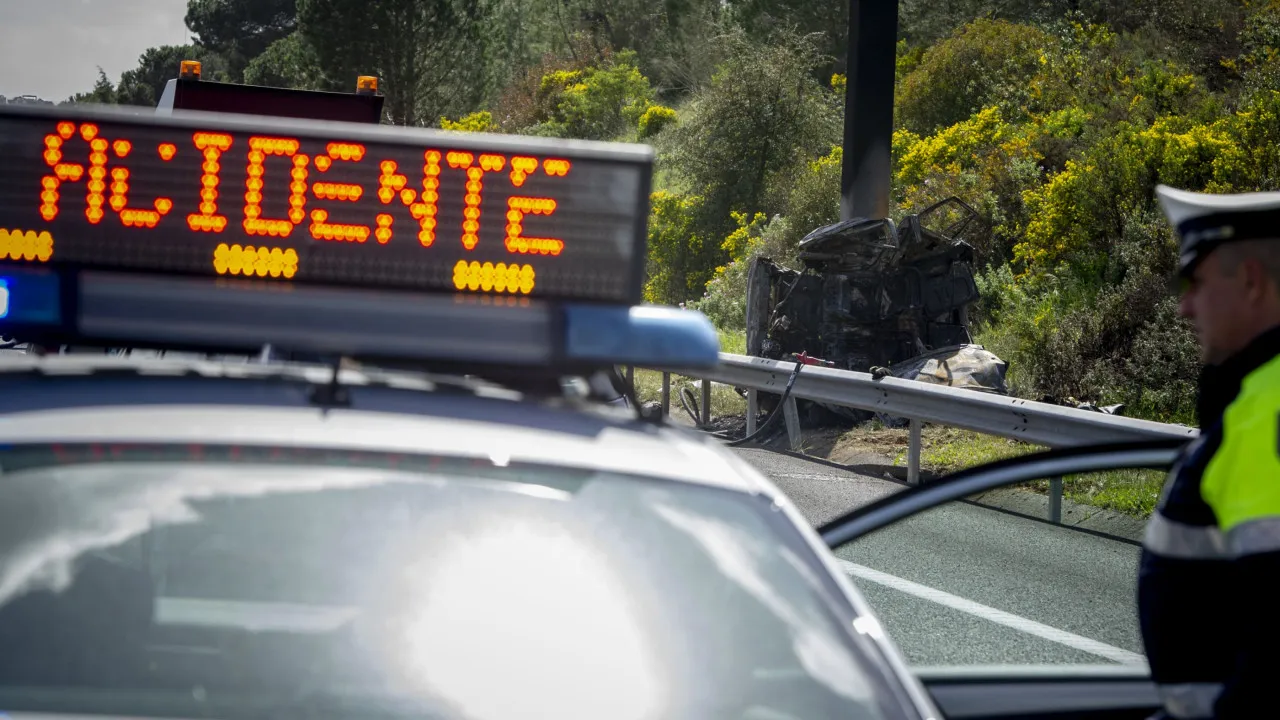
98,399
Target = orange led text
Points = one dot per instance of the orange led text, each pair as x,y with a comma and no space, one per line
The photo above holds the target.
212,146
251,261
82,152
29,245
260,148
501,277
321,228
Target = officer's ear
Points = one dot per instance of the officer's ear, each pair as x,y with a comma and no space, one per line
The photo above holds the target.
1258,280
1246,267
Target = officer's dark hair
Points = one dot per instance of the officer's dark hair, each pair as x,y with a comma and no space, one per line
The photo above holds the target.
1266,252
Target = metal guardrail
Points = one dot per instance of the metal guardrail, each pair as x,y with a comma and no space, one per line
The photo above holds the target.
920,402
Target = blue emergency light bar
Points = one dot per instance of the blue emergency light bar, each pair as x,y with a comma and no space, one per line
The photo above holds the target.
122,310
226,233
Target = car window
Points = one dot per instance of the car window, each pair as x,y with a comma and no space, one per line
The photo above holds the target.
990,580
463,588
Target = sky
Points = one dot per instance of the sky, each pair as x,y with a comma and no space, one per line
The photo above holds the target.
53,48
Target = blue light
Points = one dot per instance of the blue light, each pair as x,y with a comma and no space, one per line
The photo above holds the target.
29,296
644,336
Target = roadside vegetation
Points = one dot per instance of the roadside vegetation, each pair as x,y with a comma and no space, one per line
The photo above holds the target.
945,450
1054,123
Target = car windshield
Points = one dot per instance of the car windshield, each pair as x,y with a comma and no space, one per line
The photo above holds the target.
254,582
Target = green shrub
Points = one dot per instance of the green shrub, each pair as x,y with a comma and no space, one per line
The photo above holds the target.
987,62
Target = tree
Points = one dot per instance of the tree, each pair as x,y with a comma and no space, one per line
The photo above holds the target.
733,155
825,20
597,102
923,22
1201,32
240,30
104,92
429,54
290,62
156,67
762,115
984,63
670,37
512,43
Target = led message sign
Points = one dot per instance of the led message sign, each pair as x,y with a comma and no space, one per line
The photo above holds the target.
332,204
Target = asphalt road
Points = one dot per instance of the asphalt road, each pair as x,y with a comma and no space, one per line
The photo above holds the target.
965,585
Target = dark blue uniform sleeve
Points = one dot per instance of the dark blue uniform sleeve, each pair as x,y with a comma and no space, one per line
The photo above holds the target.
1251,690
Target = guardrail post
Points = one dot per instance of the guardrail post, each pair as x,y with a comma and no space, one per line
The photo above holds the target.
1055,500
792,416
705,410
666,394
753,407
913,453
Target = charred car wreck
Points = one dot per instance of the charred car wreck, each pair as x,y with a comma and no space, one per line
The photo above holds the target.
872,296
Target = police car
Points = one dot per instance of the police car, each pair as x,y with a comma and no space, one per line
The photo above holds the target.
380,482
416,506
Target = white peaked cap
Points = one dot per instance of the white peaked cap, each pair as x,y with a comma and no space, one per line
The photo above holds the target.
1204,221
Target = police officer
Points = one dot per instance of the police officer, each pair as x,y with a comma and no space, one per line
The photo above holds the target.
1210,563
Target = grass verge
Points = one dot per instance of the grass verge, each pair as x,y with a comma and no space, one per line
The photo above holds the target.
946,450
724,401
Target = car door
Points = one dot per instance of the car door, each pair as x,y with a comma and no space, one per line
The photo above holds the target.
1005,601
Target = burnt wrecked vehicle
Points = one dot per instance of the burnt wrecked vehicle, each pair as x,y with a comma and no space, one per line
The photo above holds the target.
874,296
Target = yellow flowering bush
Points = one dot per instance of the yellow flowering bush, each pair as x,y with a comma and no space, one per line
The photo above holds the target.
654,120
675,262
481,121
724,300
594,103
739,242
1081,208
951,150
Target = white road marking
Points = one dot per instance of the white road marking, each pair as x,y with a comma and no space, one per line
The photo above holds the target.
815,476
1000,617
